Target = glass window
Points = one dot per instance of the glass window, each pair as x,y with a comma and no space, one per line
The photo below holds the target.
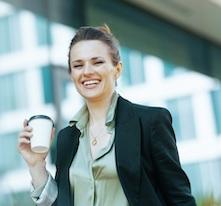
194,174
172,70
203,177
126,76
47,79
133,67
136,67
210,173
216,103
9,152
65,83
9,33
183,119
12,92
16,198
43,31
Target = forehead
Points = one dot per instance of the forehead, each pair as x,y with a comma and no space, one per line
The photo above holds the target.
88,49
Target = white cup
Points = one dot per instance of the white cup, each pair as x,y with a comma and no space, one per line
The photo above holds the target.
42,127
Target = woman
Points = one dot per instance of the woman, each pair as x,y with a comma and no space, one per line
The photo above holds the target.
114,152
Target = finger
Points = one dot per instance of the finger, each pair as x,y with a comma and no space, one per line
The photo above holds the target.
25,122
23,141
25,134
28,128
23,145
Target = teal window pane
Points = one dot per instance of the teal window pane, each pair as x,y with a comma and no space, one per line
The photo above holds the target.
193,172
9,153
4,35
203,177
12,92
43,31
64,86
172,70
47,79
133,67
137,67
183,119
126,76
10,33
168,69
210,171
215,59
16,198
216,104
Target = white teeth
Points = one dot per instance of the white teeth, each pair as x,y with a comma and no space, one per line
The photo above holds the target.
90,82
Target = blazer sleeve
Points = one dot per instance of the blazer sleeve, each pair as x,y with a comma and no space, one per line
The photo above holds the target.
171,179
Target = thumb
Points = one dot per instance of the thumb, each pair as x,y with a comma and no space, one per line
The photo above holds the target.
25,122
52,132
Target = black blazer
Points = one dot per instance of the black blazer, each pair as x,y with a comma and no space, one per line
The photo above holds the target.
146,157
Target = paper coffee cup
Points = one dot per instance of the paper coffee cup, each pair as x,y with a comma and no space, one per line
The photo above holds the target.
42,127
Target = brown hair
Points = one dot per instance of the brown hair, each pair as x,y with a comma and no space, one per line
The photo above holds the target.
101,33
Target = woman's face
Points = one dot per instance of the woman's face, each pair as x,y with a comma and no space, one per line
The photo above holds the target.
92,69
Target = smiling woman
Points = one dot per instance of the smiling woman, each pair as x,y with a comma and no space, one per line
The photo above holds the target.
93,71
113,152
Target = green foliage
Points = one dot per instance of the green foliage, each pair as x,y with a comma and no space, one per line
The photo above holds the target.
209,200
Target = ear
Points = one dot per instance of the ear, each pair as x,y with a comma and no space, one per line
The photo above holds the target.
118,70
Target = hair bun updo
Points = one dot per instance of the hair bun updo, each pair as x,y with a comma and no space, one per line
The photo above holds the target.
106,29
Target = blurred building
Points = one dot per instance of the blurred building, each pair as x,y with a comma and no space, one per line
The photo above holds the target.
34,80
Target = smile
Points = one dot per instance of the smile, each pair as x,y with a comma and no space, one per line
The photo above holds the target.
92,82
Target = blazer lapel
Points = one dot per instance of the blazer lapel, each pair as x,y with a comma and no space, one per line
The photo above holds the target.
127,146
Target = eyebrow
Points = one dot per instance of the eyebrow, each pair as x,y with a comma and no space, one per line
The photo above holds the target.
93,58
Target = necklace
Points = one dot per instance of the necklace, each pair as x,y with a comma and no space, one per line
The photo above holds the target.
94,141
94,137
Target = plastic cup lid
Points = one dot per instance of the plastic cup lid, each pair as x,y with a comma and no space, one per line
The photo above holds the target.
41,117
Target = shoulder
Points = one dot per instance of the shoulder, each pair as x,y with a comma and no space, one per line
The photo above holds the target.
150,113
155,113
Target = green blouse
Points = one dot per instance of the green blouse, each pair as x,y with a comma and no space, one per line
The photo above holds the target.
94,182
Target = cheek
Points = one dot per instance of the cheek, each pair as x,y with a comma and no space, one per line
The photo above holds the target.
107,71
110,79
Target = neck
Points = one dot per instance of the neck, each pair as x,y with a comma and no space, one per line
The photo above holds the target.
98,110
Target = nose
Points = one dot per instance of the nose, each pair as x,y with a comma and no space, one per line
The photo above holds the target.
88,69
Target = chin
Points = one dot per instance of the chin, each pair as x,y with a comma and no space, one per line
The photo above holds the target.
91,96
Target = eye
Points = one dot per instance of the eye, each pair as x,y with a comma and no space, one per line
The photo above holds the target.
77,66
99,62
